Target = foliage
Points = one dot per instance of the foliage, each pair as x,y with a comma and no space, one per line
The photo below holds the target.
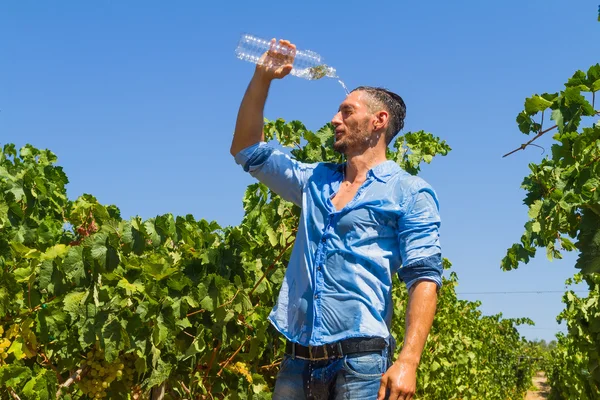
93,305
564,204
468,355
561,187
573,371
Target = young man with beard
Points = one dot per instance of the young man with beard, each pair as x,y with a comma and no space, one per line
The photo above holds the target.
362,221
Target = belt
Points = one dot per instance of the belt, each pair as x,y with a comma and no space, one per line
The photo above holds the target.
335,350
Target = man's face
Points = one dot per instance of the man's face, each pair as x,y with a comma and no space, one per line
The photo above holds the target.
353,124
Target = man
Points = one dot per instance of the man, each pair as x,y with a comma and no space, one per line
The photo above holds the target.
362,221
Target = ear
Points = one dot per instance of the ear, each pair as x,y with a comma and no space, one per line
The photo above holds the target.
381,120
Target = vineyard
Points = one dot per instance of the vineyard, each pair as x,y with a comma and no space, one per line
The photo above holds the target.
96,306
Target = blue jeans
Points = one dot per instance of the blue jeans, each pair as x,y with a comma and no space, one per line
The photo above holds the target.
354,376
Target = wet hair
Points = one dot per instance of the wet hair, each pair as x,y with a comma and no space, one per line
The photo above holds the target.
392,103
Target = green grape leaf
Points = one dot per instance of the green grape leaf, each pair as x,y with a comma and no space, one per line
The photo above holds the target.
42,386
12,375
160,332
73,265
114,334
74,304
535,104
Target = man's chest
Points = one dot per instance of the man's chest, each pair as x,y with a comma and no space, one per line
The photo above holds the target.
344,195
348,214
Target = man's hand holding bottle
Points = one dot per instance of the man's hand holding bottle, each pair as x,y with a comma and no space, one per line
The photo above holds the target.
277,62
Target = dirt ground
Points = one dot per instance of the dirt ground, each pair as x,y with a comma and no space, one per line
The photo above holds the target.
539,380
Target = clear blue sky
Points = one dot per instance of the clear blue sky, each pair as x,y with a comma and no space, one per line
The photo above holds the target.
139,98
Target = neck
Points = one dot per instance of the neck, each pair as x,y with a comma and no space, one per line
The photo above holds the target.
357,165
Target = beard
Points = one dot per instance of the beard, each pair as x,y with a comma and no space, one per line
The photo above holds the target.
353,142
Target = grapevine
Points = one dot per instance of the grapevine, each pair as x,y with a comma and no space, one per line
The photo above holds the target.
105,307
564,215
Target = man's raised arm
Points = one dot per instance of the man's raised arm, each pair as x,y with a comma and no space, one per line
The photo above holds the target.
249,124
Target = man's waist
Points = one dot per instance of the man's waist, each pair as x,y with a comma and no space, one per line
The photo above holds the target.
337,349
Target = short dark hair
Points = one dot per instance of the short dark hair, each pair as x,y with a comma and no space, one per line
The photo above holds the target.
392,103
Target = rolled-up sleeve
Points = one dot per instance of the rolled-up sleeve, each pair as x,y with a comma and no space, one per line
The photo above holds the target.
419,238
277,170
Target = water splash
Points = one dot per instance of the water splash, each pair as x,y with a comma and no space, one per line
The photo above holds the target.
318,72
344,86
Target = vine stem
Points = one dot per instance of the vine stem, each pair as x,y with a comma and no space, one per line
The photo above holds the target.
233,356
13,394
80,372
230,300
158,393
524,145
185,388
270,267
212,359
195,312
47,361
209,367
272,365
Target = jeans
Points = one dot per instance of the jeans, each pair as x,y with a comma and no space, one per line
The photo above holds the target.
354,376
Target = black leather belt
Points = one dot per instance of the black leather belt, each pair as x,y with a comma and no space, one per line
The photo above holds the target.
335,350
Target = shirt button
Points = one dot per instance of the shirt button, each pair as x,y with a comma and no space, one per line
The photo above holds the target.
319,268
316,296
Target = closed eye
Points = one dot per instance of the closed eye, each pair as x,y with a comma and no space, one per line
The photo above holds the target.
346,110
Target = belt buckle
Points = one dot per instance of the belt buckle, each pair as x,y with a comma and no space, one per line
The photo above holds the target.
314,357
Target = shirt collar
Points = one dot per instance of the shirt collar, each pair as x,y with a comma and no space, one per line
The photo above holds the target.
382,172
385,170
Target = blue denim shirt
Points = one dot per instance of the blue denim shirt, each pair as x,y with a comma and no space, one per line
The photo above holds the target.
338,282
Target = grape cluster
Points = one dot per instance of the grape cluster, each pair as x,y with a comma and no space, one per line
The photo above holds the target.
85,230
100,374
4,345
128,369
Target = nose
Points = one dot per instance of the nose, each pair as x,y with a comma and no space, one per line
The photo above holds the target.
337,119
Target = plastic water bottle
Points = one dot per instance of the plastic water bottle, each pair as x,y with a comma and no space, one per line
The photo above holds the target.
307,64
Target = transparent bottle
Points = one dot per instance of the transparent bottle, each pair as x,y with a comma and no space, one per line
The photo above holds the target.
307,64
